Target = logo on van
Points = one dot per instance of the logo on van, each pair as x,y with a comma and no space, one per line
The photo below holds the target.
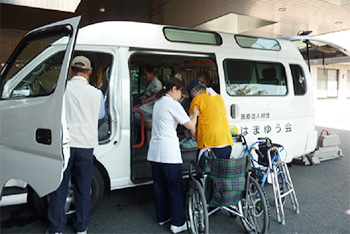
256,116
266,129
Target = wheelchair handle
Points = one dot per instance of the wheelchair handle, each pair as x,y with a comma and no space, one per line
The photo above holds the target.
241,138
277,145
264,139
268,141
257,151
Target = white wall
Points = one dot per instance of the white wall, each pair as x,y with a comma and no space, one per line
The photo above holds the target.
343,71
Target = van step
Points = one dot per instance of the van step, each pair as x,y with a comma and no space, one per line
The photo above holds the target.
14,190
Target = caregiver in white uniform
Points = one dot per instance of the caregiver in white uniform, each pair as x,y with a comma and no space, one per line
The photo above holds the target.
165,155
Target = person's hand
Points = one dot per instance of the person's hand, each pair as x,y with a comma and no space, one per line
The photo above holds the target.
144,100
184,95
195,111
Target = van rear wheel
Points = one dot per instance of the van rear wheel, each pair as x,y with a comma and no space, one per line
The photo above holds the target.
41,204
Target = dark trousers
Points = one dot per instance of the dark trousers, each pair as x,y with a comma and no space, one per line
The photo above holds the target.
222,153
80,164
167,181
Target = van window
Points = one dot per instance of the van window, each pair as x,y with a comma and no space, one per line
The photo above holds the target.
32,73
138,82
251,78
192,36
257,43
299,81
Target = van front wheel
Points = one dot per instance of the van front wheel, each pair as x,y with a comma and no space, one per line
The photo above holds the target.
97,191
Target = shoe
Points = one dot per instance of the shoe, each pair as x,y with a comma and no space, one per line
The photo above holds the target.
190,143
47,232
177,229
164,222
83,232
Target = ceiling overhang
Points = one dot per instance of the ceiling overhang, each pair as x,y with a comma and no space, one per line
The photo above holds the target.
57,5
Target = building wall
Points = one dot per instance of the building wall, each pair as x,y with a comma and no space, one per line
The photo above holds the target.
343,73
9,40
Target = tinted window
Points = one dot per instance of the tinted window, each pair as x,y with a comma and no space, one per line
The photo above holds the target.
248,78
257,43
299,81
192,36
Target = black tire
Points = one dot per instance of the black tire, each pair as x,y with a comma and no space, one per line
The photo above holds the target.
256,209
196,208
41,204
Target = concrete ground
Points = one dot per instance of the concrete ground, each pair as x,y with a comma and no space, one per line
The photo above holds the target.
333,113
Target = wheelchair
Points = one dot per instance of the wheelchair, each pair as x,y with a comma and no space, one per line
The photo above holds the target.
226,184
269,167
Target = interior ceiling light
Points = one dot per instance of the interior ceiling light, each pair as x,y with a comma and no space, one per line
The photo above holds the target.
282,9
102,9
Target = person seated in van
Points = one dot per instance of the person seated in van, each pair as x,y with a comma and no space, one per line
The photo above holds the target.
269,76
213,127
207,81
149,95
165,156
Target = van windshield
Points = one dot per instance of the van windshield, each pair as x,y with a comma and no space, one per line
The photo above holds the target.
254,78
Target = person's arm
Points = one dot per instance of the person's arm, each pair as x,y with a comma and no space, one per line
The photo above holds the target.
151,98
102,107
155,86
191,125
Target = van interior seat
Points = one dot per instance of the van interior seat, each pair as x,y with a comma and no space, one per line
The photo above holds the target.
269,76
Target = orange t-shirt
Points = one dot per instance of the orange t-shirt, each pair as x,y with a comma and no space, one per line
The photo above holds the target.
213,127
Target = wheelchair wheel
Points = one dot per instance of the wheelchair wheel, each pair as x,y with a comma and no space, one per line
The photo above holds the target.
256,209
196,208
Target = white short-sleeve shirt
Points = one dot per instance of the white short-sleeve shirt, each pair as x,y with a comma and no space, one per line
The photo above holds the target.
164,145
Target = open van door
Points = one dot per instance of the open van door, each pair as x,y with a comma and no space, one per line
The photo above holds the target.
33,142
319,51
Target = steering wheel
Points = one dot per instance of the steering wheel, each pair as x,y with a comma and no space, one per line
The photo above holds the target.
40,71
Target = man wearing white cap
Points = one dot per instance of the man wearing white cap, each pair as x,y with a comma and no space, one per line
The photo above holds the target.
84,107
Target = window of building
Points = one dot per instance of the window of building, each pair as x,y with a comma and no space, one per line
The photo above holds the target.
348,84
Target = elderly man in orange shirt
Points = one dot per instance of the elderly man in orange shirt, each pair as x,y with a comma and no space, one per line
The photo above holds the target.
213,127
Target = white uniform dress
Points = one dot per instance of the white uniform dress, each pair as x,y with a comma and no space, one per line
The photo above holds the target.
164,144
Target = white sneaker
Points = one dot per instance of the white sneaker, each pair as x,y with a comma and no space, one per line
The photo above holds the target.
177,229
84,232
47,232
164,222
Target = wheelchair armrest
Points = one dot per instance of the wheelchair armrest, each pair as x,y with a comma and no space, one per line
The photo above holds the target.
193,165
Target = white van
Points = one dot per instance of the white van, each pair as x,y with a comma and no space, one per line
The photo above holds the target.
265,83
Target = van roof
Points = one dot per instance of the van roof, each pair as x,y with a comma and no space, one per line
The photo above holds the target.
147,35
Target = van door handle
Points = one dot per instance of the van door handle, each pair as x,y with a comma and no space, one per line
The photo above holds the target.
43,136
233,111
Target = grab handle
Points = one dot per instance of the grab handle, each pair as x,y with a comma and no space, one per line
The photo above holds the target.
142,129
